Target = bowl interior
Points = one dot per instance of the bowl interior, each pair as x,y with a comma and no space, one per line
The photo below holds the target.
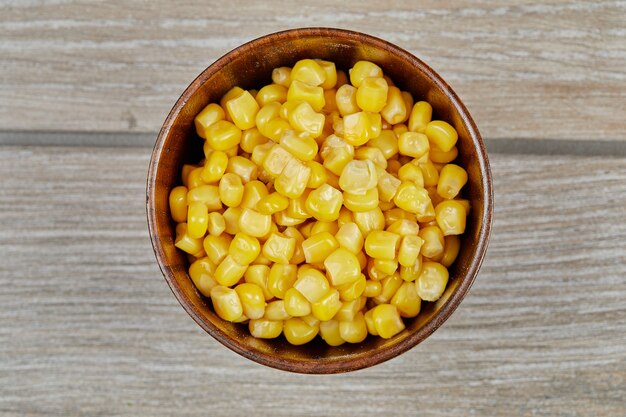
250,66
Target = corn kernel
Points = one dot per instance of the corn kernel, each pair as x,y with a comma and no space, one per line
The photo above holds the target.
262,260
297,332
371,94
386,266
410,248
231,218
380,244
281,278
242,110
269,111
298,254
399,129
430,173
304,119
230,94
275,128
342,267
252,300
283,219
327,306
388,185
441,134
452,245
214,167
404,227
259,275
178,203
358,177
279,248
319,227
369,322
253,192
410,273
197,220
216,247
451,179
330,71
374,273
356,128
450,216
226,303
412,198
372,288
352,290
354,331
386,142
243,167
441,157
390,286
312,284
254,223
281,76
342,78
329,331
276,160
317,247
393,166
223,135
272,203
411,172
185,173
413,144
301,145
297,207
433,241
206,194
304,92
308,71
369,220
251,138
231,190
185,242
295,303
345,216
229,271
346,100
387,320
259,153
406,300
350,237
202,273
265,329
270,93
432,281
362,70
275,310
408,104
421,115
292,181
244,249
209,115
324,203
395,111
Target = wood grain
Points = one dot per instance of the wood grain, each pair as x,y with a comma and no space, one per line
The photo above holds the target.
89,327
534,69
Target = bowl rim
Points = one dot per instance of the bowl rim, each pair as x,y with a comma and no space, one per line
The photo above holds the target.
341,364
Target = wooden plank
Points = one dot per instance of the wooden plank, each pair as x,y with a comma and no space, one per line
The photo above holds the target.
89,327
534,69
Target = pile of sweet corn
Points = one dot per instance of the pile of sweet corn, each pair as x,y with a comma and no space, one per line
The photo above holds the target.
326,204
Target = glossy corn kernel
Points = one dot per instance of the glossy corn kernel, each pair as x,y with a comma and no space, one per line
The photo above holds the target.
421,114
229,271
231,190
376,124
410,249
254,223
387,321
346,100
295,303
373,273
329,331
268,112
216,247
206,194
356,128
216,225
430,173
185,173
297,207
324,203
369,322
253,192
318,174
408,104
304,119
279,249
413,144
317,247
412,198
178,203
441,157
388,185
406,300
298,254
281,76
243,167
349,236
395,214
231,218
354,331
292,180
197,220
432,281
386,266
202,273
441,134
370,153
371,95
411,172
433,241
281,278
276,160
386,142
362,70
242,110
259,275
209,115
369,220
390,286
309,72
259,153
297,332
301,145
230,94
185,242
330,72
272,203
358,177
275,128
299,91
395,110
265,329
252,300
251,138
244,249
342,267
283,219
270,93
223,135
380,244
275,310
372,288
226,303
452,245
404,227
451,179
450,216
319,227
345,216
326,306
352,290
214,167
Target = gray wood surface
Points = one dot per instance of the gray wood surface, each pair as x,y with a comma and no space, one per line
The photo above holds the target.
89,327
530,69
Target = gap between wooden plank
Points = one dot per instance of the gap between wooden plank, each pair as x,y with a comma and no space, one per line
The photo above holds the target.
137,139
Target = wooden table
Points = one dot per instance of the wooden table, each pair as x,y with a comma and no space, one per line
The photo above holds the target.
88,325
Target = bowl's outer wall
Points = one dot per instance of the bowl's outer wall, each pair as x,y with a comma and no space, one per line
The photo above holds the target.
250,66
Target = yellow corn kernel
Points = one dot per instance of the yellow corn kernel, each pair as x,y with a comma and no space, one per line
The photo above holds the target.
451,179
231,218
386,266
251,138
253,192
399,129
229,271
242,110
390,286
281,278
330,109
326,306
295,303
206,194
223,135
369,322
194,179
185,173
369,220
441,157
298,254
371,95
292,181
268,112
356,128
304,92
318,174
432,281
279,248
178,203
208,116
276,160
412,198
230,94
374,273
214,167
281,76
259,153
345,216
408,104
216,247
381,244
384,206
318,247
387,185
288,106
265,329
244,249
297,332
186,243
404,227
226,303
231,190
319,227
375,124
433,241
342,267
329,331
362,257
334,142
406,300
387,320
410,248
362,70
324,203
395,214
261,259
197,220
312,284
330,72
451,250
283,219
297,207
352,290
413,144
421,115
252,300
311,320
358,177
259,275
350,237
270,93
450,216
411,172
275,310
386,142
372,288
353,331
375,155
309,72
393,166
254,223
430,173
243,167
342,78
202,273
216,225
304,119
442,135
275,128
410,273
301,145
395,110
346,100
272,203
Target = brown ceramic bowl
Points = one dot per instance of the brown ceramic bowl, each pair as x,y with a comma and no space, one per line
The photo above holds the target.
250,66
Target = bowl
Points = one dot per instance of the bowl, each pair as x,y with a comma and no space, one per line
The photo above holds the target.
250,66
